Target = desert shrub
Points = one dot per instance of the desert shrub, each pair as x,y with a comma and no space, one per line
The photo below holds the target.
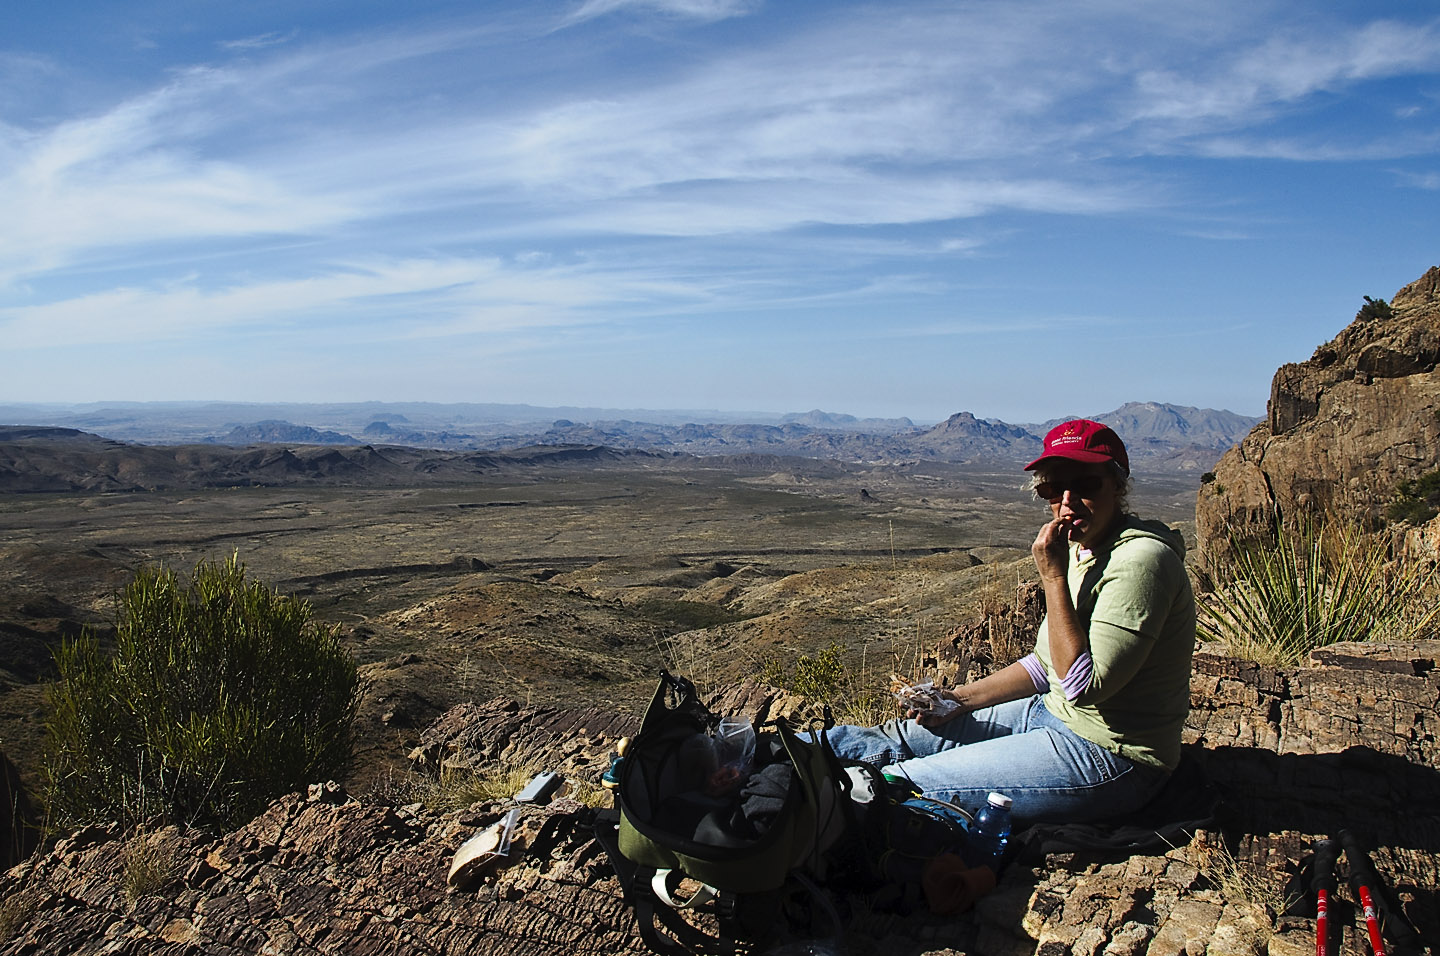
854,696
1416,500
1321,584
1374,309
220,696
819,676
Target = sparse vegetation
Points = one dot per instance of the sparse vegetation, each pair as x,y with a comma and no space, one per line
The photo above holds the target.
220,696
1320,585
1416,500
1374,309
149,865
1243,883
823,679
457,788
1008,642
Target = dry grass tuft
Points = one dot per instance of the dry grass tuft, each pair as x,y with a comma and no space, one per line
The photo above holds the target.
458,788
1242,882
149,865
590,794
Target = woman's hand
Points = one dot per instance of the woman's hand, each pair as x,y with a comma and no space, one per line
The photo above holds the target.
928,718
1051,550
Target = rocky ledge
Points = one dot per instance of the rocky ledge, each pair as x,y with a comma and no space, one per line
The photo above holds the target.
1343,429
1294,755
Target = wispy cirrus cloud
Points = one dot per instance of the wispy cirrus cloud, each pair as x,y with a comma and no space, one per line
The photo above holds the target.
260,41
1429,181
705,11
1258,80
440,297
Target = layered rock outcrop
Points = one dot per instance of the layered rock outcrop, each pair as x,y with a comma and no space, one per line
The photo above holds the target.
1296,754
1342,430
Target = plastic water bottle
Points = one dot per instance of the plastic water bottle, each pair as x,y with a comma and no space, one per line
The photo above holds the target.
991,833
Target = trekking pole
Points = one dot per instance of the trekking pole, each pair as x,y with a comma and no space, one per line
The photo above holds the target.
1363,880
1322,881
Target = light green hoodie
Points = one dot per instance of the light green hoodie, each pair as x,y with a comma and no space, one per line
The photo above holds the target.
1134,599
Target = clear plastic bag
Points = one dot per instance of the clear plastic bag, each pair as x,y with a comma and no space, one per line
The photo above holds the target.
923,698
734,755
735,744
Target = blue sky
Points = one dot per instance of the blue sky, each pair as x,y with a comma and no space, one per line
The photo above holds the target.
1019,208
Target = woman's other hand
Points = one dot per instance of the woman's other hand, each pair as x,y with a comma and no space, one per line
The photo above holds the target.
928,718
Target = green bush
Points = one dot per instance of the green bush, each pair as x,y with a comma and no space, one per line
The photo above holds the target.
220,696
820,678
1374,309
1417,500
824,679
1321,585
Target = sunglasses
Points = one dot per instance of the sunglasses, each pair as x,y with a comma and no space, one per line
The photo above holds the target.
1084,486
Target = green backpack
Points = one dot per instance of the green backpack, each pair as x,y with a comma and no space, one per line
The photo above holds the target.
749,849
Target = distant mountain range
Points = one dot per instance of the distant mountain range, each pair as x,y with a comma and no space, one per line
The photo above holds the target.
1166,437
1177,424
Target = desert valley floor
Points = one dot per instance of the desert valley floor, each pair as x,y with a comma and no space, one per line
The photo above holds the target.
563,582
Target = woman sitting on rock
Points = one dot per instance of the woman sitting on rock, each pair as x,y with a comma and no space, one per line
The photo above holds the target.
1088,725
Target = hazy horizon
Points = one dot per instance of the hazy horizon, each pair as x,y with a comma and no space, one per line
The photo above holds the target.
701,414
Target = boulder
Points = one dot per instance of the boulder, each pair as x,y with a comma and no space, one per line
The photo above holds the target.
1342,429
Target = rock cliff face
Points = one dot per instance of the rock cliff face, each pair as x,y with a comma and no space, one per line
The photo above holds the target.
1343,428
1295,754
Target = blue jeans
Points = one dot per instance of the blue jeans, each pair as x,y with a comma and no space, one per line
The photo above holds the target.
1019,749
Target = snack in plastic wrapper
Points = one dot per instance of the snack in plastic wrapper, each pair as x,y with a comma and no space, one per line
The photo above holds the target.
923,698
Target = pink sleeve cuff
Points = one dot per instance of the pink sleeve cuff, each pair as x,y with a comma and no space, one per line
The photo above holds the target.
1077,680
1036,670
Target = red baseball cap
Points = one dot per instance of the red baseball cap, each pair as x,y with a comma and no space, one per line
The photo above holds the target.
1083,440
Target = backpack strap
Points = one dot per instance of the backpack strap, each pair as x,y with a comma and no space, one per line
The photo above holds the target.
684,939
637,883
660,885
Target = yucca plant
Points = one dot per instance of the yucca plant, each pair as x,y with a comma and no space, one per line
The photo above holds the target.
1321,584
221,695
